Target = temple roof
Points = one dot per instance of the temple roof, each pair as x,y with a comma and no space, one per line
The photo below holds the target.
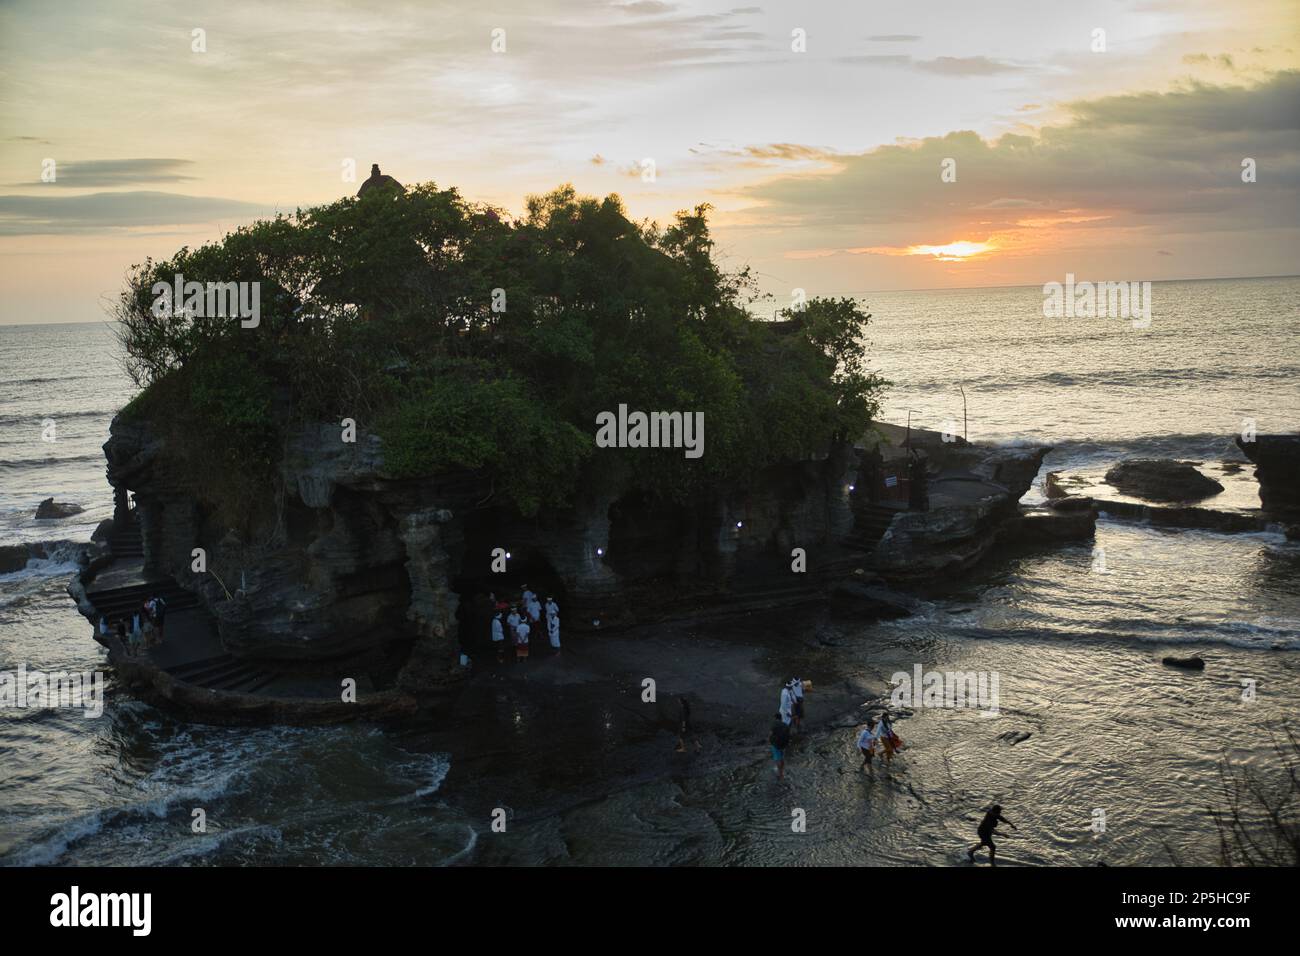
378,180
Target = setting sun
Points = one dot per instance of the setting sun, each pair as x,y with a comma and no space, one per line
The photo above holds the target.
953,251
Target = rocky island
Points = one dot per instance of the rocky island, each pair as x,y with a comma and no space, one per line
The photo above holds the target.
332,493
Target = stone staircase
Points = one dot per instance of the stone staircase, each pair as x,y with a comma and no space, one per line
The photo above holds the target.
120,603
223,672
126,541
870,524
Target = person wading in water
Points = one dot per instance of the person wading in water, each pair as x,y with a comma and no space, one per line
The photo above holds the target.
986,828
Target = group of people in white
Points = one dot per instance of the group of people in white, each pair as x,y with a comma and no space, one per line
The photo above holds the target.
878,733
519,628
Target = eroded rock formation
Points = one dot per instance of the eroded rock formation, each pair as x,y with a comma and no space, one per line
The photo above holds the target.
1277,468
356,565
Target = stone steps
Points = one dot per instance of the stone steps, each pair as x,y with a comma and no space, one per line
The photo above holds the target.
223,672
121,603
126,541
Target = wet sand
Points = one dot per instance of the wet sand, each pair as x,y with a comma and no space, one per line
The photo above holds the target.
587,773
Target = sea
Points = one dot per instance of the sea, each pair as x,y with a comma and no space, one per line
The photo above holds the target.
1109,734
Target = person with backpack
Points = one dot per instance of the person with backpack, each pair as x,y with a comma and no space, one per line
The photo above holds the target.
779,738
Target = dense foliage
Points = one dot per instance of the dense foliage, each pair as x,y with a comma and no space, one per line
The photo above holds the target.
466,340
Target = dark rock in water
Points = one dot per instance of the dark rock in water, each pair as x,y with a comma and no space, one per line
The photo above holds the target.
975,492
1193,663
1055,487
103,530
49,508
1161,479
1185,516
870,597
13,557
1277,468
1072,503
1041,525
1052,485
1013,737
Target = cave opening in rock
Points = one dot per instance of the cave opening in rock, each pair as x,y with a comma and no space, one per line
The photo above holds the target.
477,584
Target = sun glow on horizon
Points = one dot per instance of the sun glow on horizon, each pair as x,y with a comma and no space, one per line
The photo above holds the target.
958,251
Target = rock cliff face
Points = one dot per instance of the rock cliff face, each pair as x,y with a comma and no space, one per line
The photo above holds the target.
357,564
973,494
1277,467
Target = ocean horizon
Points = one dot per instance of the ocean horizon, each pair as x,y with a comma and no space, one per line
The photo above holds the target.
1078,651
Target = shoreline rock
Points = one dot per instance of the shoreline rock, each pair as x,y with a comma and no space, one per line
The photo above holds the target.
1277,469
1161,479
49,509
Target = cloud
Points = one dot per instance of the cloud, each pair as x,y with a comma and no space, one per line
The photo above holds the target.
1154,162
943,65
646,7
966,66
1008,203
894,38
99,212
99,173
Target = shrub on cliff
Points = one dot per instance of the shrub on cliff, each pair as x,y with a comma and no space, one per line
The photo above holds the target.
467,340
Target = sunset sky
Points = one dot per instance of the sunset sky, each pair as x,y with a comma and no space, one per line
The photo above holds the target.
824,166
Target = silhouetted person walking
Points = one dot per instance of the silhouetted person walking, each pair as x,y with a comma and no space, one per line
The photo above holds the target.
986,828
918,490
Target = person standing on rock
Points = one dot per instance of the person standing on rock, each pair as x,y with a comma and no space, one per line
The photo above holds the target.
159,613
779,738
985,831
553,624
498,638
512,622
